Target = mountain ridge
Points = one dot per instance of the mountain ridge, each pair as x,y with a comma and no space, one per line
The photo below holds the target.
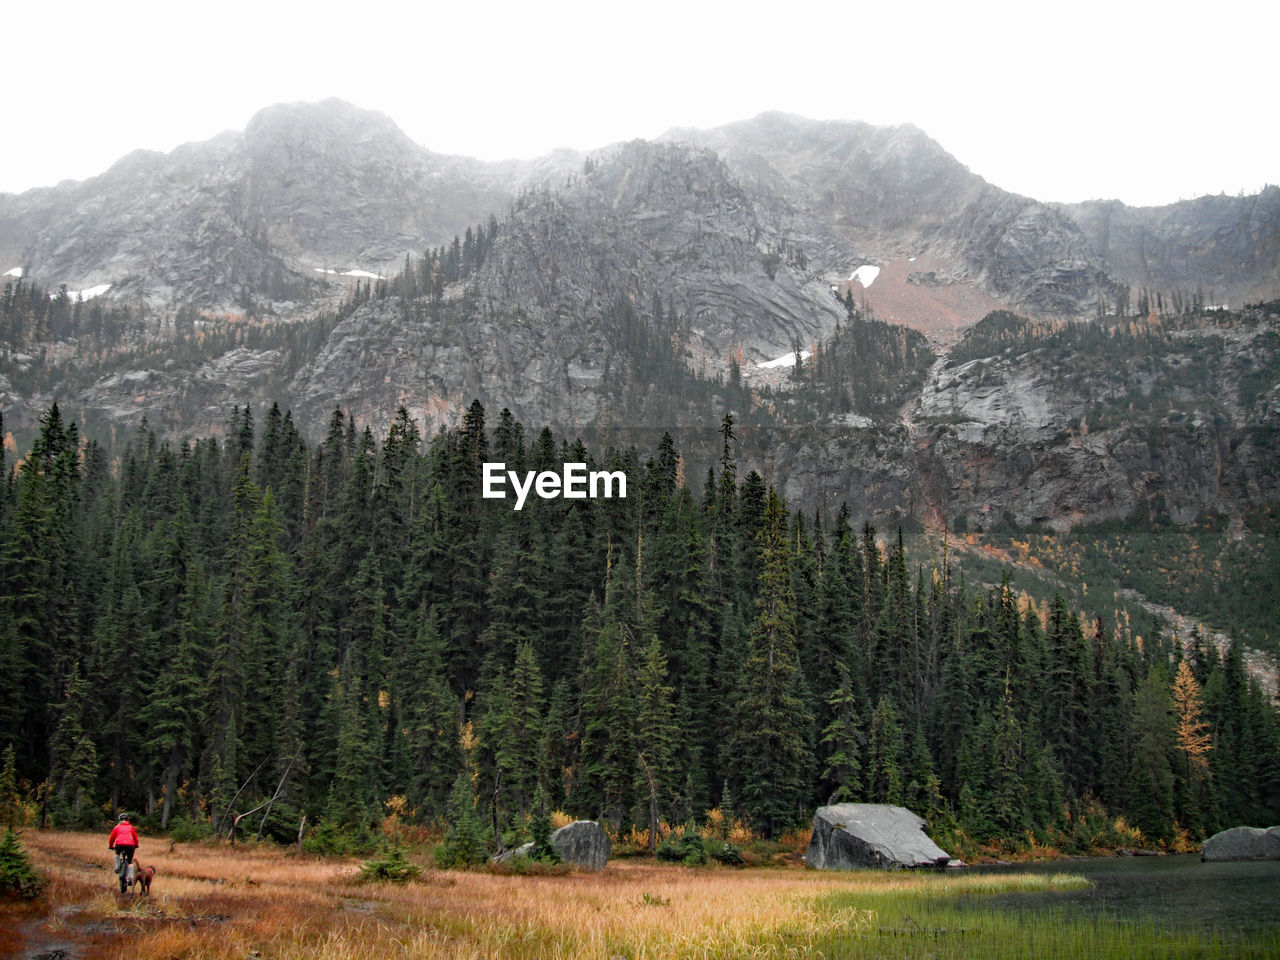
651,281
309,186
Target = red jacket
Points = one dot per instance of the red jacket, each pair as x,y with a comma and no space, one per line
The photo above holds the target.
124,835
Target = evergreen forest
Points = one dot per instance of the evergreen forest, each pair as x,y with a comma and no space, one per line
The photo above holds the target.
252,627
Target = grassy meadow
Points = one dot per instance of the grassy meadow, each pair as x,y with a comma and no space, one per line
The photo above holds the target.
211,902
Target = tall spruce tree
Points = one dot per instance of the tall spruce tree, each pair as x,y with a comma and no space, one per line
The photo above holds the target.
767,757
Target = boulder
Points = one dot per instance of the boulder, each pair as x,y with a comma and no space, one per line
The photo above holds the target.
582,843
524,850
848,836
1243,843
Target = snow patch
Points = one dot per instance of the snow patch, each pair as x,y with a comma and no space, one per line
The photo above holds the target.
350,273
786,360
15,272
86,294
865,275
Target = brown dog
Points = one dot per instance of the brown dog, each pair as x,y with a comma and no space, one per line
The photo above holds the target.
142,877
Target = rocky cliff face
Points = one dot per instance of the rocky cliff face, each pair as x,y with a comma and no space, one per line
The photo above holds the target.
665,230
1224,250
1068,430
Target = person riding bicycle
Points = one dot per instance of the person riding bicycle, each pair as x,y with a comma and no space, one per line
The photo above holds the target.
123,840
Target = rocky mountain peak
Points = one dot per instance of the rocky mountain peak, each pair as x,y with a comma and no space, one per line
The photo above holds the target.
332,129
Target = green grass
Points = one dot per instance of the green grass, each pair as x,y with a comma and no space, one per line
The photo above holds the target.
947,920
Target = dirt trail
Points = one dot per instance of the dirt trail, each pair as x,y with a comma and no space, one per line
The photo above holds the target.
38,942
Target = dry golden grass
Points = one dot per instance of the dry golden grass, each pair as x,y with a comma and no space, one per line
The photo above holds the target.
213,902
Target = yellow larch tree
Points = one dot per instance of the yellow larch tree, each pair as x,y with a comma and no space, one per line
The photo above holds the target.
1192,732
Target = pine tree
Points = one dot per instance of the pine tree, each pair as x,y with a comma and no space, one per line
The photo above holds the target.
1151,776
656,734
351,800
604,783
1193,740
540,830
173,712
1067,697
767,759
843,739
886,754
512,728
428,719
10,799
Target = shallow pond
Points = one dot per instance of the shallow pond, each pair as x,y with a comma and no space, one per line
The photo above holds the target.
1226,898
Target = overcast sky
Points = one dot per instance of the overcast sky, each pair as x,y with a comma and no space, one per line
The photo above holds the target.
1144,102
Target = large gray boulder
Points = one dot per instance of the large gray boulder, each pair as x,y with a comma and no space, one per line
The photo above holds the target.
582,843
849,836
1243,843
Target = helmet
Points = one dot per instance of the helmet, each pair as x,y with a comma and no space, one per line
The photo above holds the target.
123,818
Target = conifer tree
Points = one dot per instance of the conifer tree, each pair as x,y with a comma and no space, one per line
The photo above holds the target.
1067,696
767,759
463,844
1151,776
10,800
842,739
604,784
655,735
426,757
173,712
886,754
1192,737
540,830
511,728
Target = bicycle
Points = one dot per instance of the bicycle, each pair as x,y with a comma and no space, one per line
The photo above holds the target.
124,841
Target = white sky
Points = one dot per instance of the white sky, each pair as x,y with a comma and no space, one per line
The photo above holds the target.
1146,102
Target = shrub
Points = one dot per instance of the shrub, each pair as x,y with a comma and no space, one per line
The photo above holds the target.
540,828
687,849
463,844
392,867
727,854
524,867
18,878
330,838
186,830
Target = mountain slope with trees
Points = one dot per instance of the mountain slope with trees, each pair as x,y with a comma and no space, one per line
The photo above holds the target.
204,628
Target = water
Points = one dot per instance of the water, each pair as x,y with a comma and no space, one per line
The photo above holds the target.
1231,899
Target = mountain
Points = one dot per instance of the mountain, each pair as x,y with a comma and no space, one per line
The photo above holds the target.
304,188
321,259
249,218
894,193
